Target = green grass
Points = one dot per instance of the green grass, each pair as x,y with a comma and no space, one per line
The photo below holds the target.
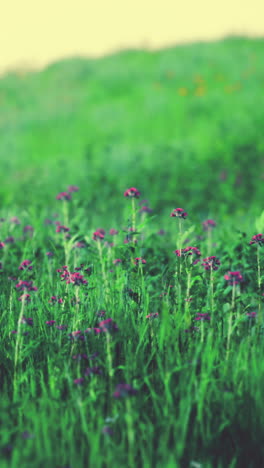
184,126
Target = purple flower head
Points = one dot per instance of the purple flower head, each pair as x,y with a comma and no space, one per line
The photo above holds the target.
15,220
76,279
61,228
122,390
56,299
26,285
2,244
233,277
99,234
117,261
25,265
203,317
27,321
251,314
211,263
73,188
76,335
101,313
139,260
28,229
189,251
178,213
49,254
113,232
79,245
257,239
209,224
132,193
108,326
79,381
152,316
10,240
50,323
63,196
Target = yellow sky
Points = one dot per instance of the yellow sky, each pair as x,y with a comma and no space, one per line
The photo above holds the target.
36,32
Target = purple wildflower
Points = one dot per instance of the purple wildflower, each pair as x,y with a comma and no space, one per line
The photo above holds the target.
189,251
233,277
257,239
132,193
178,213
108,325
211,263
63,196
25,265
209,224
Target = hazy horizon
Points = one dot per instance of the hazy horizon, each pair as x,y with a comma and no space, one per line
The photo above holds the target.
33,34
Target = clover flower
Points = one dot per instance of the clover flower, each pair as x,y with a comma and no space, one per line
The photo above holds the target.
233,277
25,265
122,390
79,381
15,220
132,193
56,299
208,224
117,261
203,317
79,245
10,240
178,213
108,326
76,279
27,321
257,239
139,260
61,228
64,196
28,229
26,285
73,188
189,251
99,234
211,263
113,232
153,315
50,323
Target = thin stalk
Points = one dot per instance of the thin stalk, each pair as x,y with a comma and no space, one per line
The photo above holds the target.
187,302
130,433
259,318
17,348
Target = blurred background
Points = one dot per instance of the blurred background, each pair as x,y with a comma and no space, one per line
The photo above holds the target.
165,96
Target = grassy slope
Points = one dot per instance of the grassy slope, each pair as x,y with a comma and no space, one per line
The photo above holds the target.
122,121
107,125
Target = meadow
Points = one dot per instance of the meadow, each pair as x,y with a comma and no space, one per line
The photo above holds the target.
131,260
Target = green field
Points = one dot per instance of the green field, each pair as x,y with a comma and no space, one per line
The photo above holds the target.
184,126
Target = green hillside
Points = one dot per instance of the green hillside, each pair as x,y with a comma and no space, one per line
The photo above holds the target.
182,124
